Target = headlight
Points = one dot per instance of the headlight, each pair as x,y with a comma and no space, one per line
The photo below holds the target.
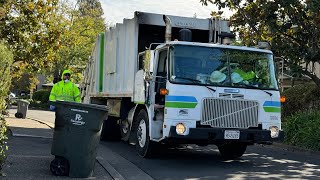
274,131
180,128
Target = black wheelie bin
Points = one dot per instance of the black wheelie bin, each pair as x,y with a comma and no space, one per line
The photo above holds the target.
76,138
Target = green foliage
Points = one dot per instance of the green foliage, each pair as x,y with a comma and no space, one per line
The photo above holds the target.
41,95
39,105
300,98
32,29
303,130
292,28
48,36
6,59
78,42
33,32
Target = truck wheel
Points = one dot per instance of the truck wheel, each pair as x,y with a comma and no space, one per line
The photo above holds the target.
232,150
110,130
59,166
144,146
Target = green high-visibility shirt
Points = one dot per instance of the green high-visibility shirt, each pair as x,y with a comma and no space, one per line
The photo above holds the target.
65,91
246,76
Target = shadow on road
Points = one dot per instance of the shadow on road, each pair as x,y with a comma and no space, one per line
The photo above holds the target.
194,162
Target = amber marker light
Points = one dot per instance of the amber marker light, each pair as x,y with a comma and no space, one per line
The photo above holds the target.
164,91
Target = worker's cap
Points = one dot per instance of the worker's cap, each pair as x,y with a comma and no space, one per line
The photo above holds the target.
236,78
217,76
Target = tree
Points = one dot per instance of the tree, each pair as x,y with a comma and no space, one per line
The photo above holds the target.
292,28
49,35
29,29
32,29
86,23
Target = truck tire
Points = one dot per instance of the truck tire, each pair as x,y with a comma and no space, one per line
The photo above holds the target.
144,145
231,151
110,130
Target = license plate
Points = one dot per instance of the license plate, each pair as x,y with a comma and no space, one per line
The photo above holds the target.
231,134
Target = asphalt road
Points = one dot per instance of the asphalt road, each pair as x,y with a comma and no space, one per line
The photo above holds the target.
193,162
202,163
29,158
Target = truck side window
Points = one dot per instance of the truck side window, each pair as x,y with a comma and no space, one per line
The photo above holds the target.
140,61
161,82
162,70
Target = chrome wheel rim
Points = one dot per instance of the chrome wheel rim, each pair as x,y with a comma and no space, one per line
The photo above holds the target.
142,133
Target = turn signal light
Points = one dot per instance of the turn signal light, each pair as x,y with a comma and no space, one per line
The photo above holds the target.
282,99
164,91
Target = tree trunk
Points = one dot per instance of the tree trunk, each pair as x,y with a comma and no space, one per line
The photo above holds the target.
314,77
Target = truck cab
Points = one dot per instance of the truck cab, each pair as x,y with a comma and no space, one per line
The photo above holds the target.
178,80
204,94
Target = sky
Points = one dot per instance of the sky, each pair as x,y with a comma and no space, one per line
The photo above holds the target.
116,10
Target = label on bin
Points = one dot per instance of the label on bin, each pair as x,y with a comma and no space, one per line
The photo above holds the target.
78,120
79,110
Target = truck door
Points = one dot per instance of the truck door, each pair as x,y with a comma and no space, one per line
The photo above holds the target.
161,77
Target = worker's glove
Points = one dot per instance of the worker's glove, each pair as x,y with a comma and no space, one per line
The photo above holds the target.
52,108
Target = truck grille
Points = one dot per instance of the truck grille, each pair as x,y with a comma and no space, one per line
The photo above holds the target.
229,113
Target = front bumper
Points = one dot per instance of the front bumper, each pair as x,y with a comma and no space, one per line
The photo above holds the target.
216,135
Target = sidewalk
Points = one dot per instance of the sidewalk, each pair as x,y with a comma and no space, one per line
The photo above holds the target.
29,154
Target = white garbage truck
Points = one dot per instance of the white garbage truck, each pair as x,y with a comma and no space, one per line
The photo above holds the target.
177,80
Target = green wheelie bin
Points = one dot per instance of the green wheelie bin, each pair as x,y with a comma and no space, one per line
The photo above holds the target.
76,138
22,108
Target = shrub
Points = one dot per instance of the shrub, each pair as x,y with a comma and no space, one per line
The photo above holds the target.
6,59
300,98
41,95
303,129
39,104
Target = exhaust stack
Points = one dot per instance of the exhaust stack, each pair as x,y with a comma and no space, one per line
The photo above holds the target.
167,21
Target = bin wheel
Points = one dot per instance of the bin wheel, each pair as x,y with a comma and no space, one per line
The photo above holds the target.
144,146
18,115
59,166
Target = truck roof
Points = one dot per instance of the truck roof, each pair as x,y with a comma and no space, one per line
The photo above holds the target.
245,48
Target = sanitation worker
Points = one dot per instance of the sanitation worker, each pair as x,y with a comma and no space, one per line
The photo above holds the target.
246,73
64,90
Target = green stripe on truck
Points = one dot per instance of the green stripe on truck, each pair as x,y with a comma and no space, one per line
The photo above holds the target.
272,109
101,62
180,105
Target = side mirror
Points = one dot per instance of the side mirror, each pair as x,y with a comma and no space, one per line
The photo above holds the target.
279,63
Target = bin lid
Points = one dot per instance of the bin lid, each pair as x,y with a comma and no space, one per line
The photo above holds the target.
24,101
75,104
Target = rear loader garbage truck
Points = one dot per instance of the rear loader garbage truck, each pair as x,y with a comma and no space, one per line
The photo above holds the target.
170,79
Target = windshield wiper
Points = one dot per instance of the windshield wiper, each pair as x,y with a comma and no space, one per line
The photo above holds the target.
210,88
190,79
195,80
254,87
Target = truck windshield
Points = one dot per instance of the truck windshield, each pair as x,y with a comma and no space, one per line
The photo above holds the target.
221,67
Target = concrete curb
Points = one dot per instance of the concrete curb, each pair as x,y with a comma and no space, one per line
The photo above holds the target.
110,169
42,122
294,148
26,135
51,126
120,165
